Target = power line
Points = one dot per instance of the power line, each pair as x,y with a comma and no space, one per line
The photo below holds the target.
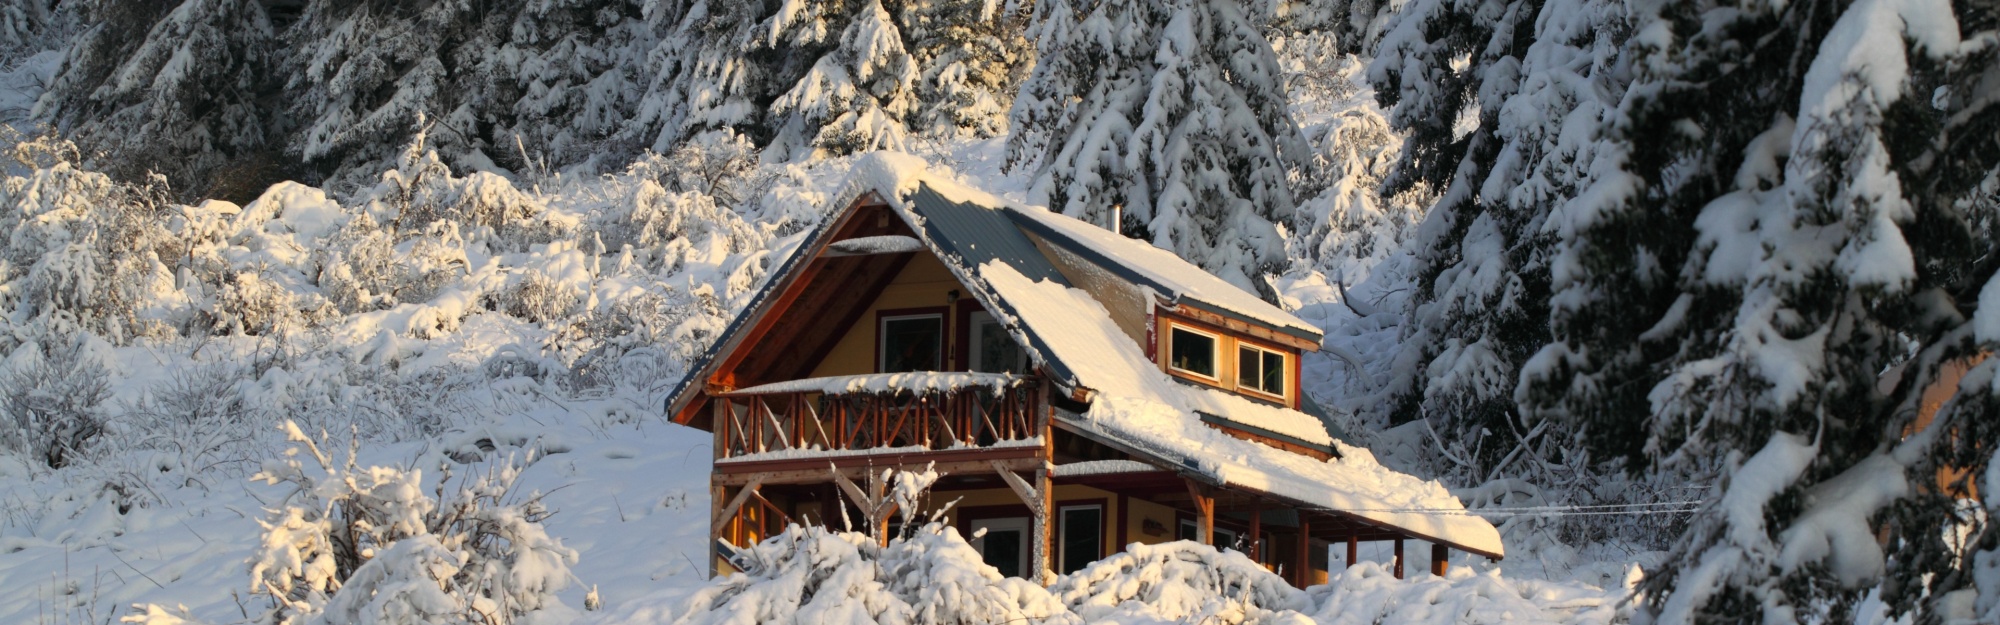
1629,509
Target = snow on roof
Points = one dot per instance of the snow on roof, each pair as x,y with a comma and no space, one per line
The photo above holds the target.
1140,407
901,175
1166,272
1103,467
916,381
885,244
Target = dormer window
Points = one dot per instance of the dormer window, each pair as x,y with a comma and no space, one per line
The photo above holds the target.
1193,352
1260,370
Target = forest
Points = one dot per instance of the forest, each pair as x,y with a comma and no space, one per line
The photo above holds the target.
1697,297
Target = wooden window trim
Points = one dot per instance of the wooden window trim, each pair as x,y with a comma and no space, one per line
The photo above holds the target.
943,314
1216,359
1104,546
1164,321
1289,363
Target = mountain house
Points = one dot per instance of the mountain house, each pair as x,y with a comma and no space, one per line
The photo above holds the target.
1080,391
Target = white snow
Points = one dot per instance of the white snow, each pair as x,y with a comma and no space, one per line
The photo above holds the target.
913,381
1103,467
885,244
816,452
1181,280
813,576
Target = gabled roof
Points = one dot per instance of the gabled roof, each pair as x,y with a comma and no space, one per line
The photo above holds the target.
1070,336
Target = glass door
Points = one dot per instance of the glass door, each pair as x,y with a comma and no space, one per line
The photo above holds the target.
1005,544
993,351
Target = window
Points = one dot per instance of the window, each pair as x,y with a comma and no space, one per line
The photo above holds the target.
1260,369
993,351
912,343
1082,537
1191,352
1003,546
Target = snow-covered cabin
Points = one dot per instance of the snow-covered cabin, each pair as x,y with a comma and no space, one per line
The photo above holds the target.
1080,390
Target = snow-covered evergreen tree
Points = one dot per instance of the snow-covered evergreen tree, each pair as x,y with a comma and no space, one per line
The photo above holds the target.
1500,103
1173,111
367,74
573,71
1755,294
971,56
858,93
175,88
31,26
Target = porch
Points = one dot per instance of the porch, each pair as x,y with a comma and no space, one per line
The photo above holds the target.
805,452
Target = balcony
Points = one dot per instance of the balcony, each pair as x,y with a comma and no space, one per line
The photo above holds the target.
880,420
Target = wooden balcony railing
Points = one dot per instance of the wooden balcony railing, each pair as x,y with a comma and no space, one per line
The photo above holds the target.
795,417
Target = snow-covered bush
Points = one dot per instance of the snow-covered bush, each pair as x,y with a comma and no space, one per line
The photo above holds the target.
814,576
354,544
82,250
52,393
1182,581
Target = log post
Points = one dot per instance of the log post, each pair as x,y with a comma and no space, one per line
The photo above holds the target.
1440,559
720,406
1204,511
1045,544
1399,558
1353,548
1303,554
1039,497
1256,535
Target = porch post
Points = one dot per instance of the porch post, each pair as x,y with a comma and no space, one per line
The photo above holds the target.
1440,559
1353,548
1399,558
1256,535
1303,555
1045,527
716,494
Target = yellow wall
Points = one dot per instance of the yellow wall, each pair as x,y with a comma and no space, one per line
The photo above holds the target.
1140,511
925,282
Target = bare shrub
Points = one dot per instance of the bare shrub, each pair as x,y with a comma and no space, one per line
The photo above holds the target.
52,398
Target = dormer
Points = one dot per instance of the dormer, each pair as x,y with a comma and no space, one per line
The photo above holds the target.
1197,328
1199,346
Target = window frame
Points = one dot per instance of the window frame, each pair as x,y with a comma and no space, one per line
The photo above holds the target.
1215,352
882,320
1063,527
1284,365
973,348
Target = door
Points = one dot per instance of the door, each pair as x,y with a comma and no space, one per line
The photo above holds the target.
1005,544
1082,540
